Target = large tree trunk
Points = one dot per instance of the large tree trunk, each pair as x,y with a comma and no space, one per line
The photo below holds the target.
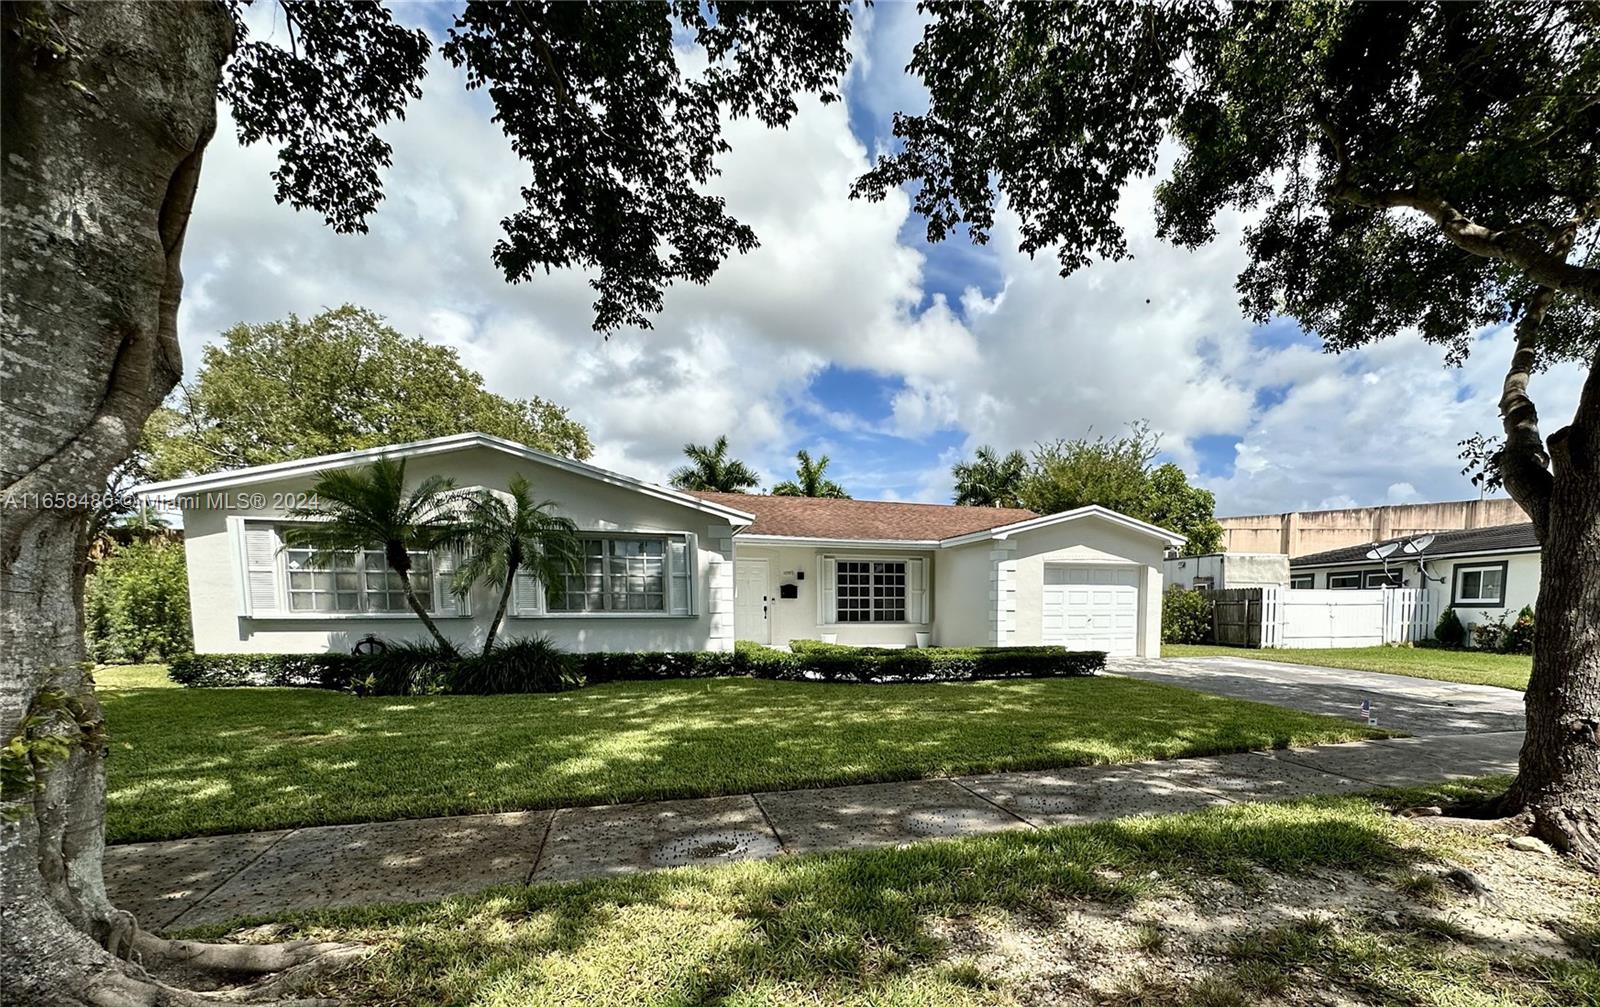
1558,775
106,110
1558,778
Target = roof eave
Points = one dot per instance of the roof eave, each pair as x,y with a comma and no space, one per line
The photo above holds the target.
437,445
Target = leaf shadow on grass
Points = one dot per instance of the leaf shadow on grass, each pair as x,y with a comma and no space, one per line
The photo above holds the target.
197,762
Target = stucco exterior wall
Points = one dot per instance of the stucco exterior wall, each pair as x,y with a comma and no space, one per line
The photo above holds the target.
796,618
1087,541
1302,533
966,603
214,588
1225,570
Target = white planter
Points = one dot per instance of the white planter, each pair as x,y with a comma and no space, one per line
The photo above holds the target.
830,638
924,639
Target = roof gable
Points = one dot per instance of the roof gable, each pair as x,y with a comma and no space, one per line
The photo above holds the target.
437,445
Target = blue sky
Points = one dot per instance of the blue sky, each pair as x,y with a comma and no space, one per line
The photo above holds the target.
846,333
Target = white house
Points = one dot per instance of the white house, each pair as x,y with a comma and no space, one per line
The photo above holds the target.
1483,573
671,570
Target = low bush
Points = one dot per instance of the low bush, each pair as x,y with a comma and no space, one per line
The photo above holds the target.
1490,634
1185,616
405,669
839,663
1450,632
1518,636
531,665
315,671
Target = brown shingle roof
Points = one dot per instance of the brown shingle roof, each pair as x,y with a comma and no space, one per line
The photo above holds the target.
880,520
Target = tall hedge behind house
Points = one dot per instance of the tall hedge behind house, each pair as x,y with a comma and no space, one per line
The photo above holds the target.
136,604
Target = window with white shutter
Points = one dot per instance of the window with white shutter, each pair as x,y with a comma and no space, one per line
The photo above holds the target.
681,567
917,590
259,558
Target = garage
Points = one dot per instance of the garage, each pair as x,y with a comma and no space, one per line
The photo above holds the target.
1091,607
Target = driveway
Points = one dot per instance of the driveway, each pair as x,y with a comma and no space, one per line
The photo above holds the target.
1420,706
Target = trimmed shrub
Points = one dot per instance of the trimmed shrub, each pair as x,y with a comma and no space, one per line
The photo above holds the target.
1518,637
136,604
315,671
1185,615
839,663
1450,631
407,669
531,665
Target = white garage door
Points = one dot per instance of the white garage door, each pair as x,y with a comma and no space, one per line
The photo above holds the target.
1092,608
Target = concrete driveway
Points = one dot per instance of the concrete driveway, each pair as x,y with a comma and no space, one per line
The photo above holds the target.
1420,706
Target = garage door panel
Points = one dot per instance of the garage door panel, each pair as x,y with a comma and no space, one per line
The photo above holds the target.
1091,608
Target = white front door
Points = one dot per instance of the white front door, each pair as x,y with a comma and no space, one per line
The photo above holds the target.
1091,608
752,618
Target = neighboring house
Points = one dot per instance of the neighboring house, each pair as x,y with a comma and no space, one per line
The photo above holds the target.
673,570
1483,573
1219,571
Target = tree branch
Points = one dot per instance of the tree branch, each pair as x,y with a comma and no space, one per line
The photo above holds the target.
1512,245
1523,463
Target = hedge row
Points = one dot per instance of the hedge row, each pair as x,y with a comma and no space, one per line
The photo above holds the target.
314,671
415,671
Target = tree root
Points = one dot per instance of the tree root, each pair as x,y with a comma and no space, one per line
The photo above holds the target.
287,969
236,960
195,974
1516,825
1573,829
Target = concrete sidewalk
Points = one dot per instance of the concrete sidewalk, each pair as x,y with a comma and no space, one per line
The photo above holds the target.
193,881
1421,706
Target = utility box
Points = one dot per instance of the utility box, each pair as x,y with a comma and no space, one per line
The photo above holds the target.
1221,571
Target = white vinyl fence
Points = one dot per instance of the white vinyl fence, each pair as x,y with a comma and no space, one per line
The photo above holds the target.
1292,617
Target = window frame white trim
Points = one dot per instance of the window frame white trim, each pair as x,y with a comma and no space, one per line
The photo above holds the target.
828,588
540,609
1503,568
281,584
1359,575
1303,576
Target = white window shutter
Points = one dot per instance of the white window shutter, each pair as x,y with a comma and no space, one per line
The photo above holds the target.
916,590
445,601
680,575
827,591
260,557
527,596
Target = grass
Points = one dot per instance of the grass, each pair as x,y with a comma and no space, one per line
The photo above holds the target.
862,928
196,761
1472,667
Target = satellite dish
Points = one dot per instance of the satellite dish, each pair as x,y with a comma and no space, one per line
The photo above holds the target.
1382,551
1419,543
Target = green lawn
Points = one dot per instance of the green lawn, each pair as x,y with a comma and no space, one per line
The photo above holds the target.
875,929
195,761
1473,667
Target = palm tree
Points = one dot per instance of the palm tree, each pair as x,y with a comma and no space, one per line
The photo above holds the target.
360,508
504,534
808,481
711,469
989,480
